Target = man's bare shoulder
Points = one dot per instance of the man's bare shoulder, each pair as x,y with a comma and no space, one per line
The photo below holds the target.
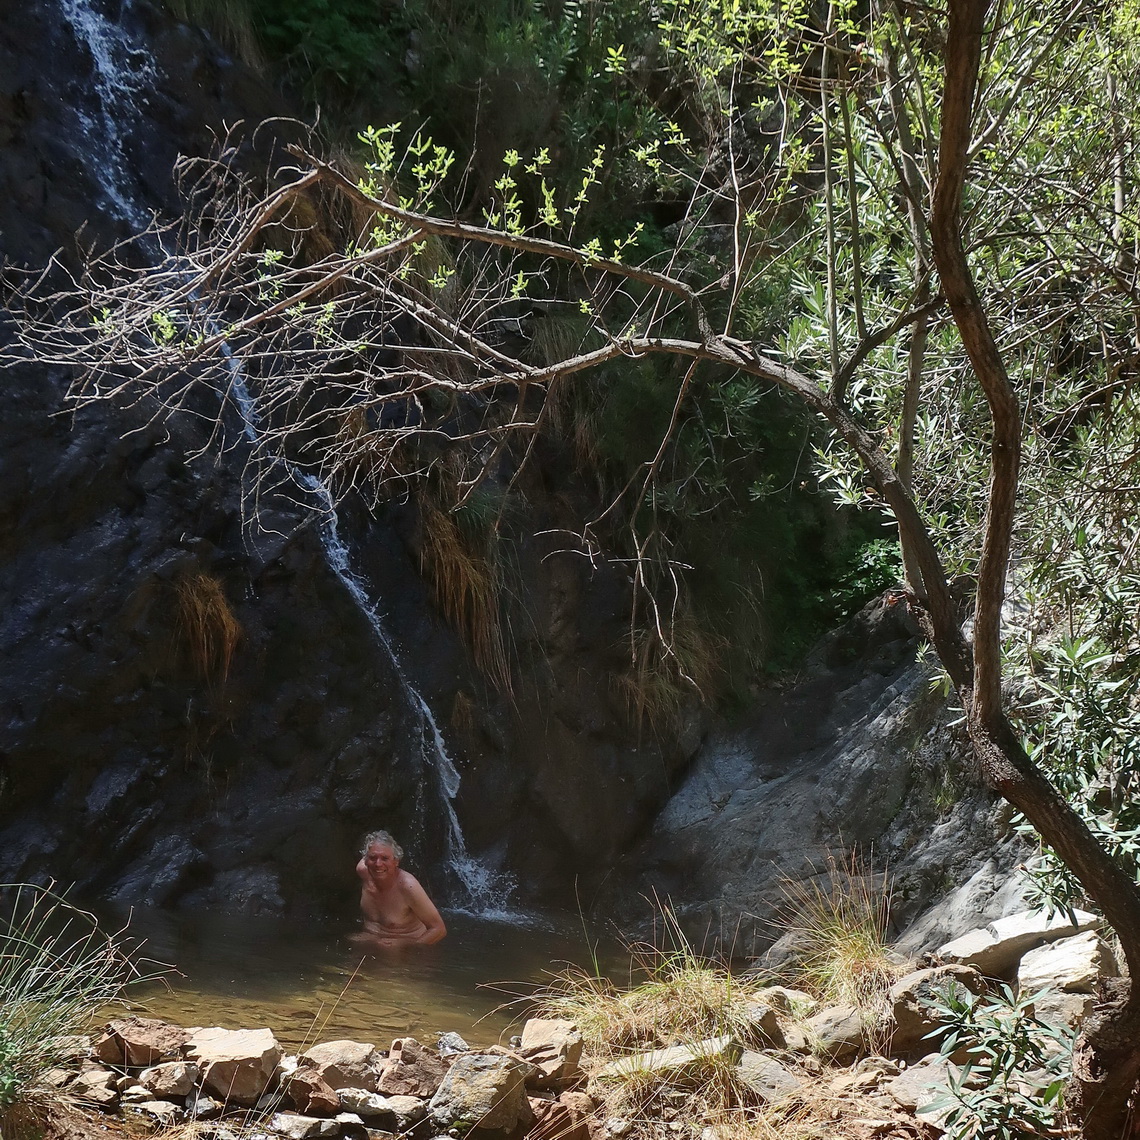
408,881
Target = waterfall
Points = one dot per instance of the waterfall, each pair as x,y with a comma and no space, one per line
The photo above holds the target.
486,890
123,75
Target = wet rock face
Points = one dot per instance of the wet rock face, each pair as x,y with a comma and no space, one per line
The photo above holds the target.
858,753
127,769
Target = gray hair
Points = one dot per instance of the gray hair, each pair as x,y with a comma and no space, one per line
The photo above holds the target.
383,839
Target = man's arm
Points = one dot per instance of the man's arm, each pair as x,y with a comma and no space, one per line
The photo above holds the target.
424,909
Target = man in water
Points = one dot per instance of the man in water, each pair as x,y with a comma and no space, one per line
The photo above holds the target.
397,910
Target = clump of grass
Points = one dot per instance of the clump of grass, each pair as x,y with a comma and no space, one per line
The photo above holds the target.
670,668
465,580
207,625
682,998
839,919
58,971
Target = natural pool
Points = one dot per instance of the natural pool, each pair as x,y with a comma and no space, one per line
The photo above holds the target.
306,982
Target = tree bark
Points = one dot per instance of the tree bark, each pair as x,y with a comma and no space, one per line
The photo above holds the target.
1107,1058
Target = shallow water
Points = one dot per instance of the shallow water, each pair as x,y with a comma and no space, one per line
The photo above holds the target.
306,982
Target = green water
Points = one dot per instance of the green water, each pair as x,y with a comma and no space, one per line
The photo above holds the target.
307,983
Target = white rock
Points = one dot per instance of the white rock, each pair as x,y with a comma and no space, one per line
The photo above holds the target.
297,1127
1071,965
364,1102
677,1058
997,948
237,1064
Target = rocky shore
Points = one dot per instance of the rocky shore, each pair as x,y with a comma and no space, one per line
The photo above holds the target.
860,1072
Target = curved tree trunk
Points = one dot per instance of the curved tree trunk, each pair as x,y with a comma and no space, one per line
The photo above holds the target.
1107,1058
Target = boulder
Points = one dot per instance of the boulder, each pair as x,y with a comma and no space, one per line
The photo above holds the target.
297,1127
344,1064
449,1044
310,1093
1068,1011
409,1110
910,999
768,1080
367,1104
762,1023
1071,965
677,1059
171,1079
554,1047
554,1120
996,949
838,1032
141,1041
411,1070
236,1064
482,1091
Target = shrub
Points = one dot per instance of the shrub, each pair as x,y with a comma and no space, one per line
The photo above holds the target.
992,1097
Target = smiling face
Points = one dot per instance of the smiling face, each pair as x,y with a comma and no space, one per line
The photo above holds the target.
382,864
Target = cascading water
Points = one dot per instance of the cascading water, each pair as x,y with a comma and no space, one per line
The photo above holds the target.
123,73
486,890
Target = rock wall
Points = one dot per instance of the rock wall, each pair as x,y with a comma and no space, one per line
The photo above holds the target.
125,769
858,754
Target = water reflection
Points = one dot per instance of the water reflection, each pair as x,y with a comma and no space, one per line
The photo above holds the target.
307,982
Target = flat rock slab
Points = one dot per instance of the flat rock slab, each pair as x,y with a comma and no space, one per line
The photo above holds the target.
297,1127
1071,965
236,1064
996,949
675,1059
367,1104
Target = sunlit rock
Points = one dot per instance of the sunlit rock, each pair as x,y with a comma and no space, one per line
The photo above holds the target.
996,949
236,1064
1071,965
482,1091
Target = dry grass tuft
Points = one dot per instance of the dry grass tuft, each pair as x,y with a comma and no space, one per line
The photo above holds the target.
465,581
207,625
839,919
230,22
667,673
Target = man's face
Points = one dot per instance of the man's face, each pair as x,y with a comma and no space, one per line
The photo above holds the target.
381,862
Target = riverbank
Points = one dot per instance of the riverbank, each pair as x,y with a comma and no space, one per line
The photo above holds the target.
692,1052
